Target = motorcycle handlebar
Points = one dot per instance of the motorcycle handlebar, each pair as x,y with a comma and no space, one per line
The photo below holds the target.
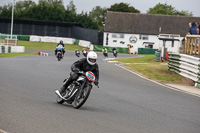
80,72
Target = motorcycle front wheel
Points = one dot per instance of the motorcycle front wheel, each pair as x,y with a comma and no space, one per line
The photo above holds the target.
81,97
59,57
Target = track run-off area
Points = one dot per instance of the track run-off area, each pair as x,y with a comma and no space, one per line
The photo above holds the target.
124,103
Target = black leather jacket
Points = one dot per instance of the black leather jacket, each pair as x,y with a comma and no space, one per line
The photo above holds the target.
83,65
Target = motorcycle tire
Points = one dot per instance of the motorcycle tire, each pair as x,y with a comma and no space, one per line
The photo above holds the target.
59,57
83,96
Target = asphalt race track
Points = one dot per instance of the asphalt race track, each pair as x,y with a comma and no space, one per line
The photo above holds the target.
124,103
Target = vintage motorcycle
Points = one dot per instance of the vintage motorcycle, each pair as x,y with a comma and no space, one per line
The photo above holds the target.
78,91
59,52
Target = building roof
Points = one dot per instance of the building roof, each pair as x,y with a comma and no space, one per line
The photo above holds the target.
135,23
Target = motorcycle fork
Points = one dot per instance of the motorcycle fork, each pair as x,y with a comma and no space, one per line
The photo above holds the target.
81,88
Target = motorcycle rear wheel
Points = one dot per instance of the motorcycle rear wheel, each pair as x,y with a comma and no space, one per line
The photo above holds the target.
81,97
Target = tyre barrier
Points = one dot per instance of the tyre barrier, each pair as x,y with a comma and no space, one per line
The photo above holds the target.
5,49
11,49
185,65
43,54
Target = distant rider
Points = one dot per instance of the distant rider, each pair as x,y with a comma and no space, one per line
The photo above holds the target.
63,50
84,64
84,51
105,52
77,52
114,49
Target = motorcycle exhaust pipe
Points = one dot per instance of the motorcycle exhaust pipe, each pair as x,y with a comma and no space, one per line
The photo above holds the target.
58,93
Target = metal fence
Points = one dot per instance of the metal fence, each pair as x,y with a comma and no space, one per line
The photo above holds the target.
8,40
42,28
192,45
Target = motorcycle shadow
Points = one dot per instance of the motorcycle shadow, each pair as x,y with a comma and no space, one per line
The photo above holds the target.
84,108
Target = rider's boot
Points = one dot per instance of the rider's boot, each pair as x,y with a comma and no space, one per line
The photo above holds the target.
67,82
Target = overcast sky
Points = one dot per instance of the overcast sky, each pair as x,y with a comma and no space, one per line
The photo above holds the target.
142,5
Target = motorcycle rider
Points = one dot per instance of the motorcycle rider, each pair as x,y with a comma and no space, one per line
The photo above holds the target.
63,50
105,52
84,51
114,49
77,52
84,64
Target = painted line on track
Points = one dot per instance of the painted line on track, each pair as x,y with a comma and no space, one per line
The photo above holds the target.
172,88
2,131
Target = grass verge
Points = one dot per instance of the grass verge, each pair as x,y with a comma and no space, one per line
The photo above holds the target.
7,55
47,46
157,71
39,45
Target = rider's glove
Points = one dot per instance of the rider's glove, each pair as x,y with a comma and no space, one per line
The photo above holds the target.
76,70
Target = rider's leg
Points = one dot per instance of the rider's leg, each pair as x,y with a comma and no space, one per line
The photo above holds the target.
68,81
66,84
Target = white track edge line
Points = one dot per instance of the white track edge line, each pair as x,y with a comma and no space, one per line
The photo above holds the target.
2,131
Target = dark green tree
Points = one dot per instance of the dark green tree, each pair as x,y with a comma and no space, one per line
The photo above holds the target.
60,2
167,10
87,21
184,13
123,7
71,7
22,9
47,11
98,14
6,11
70,16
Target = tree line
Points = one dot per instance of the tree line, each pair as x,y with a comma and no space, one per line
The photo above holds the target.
54,10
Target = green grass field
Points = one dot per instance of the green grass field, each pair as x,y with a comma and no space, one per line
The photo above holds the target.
7,55
39,45
47,46
156,71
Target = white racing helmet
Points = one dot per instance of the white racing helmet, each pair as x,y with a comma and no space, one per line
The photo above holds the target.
91,57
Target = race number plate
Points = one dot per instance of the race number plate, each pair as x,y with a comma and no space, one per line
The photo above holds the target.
90,76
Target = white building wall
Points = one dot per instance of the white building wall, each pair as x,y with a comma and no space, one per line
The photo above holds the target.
122,40
169,47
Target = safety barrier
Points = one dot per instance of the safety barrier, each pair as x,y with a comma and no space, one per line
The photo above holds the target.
11,49
82,43
185,65
5,49
146,51
52,39
192,44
